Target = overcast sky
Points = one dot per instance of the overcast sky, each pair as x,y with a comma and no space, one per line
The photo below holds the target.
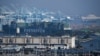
68,7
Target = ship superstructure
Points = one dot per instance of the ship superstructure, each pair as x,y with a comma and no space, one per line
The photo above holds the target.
34,31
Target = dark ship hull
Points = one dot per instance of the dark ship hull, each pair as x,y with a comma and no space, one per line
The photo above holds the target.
35,29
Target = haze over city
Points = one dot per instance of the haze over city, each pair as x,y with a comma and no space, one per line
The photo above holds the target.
68,7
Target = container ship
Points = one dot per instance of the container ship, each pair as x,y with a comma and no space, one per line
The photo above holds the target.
37,23
34,31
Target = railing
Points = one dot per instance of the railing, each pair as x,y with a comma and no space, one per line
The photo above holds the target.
49,52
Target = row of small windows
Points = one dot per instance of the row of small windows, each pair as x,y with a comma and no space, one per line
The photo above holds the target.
34,30
45,41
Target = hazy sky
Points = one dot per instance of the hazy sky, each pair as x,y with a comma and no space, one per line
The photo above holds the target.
69,7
